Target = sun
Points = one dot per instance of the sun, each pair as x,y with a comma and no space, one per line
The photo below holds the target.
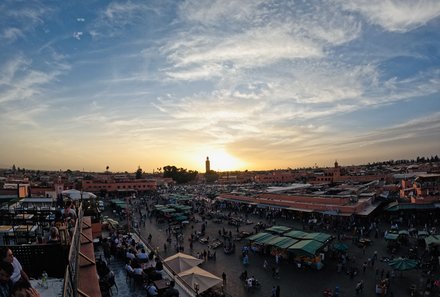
222,161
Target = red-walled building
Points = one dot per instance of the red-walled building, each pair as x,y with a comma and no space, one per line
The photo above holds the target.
120,186
426,189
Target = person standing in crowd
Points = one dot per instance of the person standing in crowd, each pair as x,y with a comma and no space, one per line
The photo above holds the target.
23,289
151,290
69,211
274,292
265,264
6,270
171,291
54,236
18,273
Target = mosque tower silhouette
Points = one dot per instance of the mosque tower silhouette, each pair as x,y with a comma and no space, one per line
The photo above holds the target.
207,165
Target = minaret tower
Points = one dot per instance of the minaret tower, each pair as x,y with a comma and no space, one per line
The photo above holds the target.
336,171
59,186
207,165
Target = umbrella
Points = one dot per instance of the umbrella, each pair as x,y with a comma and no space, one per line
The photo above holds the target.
422,234
340,246
432,240
391,236
76,195
201,279
402,264
180,262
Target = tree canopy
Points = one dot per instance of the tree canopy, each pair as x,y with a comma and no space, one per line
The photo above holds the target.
211,176
179,175
139,173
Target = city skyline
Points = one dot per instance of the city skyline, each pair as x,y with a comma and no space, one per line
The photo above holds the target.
254,85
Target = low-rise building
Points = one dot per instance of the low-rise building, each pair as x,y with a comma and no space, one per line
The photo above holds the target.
114,187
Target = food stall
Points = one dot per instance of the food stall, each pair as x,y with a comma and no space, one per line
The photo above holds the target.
305,252
259,241
280,244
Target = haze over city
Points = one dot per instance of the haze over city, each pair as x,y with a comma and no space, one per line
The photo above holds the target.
251,84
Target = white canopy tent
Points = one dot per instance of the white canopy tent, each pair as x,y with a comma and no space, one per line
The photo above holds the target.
199,279
77,195
180,262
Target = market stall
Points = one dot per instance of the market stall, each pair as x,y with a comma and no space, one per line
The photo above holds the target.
278,230
296,234
259,240
280,244
305,252
321,237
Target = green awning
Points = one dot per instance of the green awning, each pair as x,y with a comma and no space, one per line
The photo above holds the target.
181,218
408,206
393,206
180,207
278,229
321,237
391,236
422,233
402,264
340,246
432,240
282,242
167,210
258,236
116,201
266,239
404,232
307,248
295,234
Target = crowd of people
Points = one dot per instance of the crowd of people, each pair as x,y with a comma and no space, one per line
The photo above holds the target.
143,264
14,282
353,228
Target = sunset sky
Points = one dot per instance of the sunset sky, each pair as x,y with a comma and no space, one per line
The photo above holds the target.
251,84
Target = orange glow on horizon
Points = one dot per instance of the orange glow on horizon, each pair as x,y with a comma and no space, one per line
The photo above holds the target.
222,161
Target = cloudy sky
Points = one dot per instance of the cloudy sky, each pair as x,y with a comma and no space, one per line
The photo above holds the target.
251,84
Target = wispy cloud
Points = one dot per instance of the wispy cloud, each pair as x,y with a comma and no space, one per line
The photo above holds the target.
118,15
20,84
218,11
395,15
17,117
281,81
318,142
219,38
11,34
25,18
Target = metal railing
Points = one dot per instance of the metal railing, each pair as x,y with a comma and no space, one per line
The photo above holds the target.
70,288
179,281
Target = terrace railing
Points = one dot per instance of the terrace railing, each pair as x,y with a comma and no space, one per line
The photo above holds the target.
70,288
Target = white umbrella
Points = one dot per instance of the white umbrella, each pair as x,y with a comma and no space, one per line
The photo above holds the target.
180,262
198,278
76,195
